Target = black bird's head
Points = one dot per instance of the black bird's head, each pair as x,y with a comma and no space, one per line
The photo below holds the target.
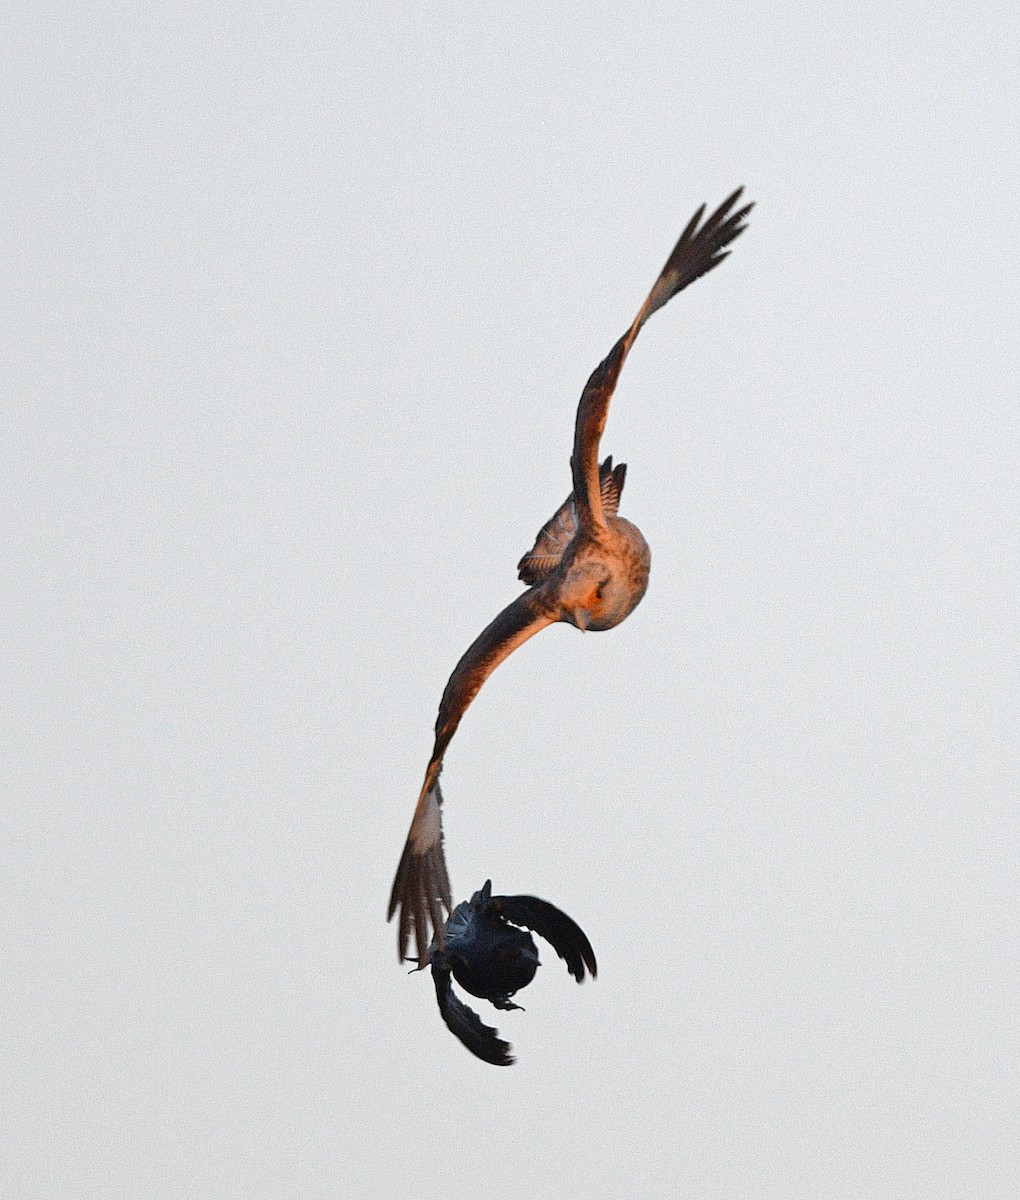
491,957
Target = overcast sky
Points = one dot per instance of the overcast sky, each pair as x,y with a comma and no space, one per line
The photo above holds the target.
300,299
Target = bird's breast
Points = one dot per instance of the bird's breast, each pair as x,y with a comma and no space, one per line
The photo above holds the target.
497,960
610,576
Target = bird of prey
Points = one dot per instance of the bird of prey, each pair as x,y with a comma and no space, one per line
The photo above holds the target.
492,958
588,567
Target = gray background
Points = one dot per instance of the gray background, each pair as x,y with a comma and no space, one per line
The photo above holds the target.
299,303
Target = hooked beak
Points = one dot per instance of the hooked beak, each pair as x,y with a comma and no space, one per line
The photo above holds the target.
581,618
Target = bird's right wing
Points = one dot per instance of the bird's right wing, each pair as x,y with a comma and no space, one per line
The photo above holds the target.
519,621
556,534
422,883
563,933
482,1040
697,252
421,886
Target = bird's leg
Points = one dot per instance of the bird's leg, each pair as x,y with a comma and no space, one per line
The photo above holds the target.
506,1004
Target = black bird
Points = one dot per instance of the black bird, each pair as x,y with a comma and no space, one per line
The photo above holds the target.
492,958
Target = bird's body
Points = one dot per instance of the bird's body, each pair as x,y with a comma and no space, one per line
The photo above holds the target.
484,949
601,577
489,958
589,567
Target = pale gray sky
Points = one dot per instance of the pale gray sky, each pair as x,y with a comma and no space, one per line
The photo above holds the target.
300,301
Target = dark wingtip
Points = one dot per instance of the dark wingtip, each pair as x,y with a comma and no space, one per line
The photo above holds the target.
420,892
562,932
698,250
482,1040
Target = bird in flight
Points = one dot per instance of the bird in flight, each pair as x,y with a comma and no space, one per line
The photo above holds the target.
490,957
589,567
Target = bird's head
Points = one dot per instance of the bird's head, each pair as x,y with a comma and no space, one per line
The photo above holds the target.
583,594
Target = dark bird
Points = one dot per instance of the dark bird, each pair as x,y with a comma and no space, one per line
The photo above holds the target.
588,567
490,957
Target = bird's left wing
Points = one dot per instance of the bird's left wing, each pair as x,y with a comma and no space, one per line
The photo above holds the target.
563,933
482,1040
422,882
699,249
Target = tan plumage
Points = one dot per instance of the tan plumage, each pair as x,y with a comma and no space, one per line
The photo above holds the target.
588,567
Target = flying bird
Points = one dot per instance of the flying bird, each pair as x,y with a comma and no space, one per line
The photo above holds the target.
492,958
588,567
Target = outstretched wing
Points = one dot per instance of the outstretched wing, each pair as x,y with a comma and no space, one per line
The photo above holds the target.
563,933
421,887
697,251
422,883
482,1040
556,534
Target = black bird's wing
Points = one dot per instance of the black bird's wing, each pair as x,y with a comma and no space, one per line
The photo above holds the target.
482,1040
563,933
422,884
697,252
